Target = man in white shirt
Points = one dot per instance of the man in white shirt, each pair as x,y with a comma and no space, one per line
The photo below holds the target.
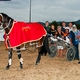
70,25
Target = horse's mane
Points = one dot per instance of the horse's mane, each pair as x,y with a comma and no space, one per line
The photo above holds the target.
6,16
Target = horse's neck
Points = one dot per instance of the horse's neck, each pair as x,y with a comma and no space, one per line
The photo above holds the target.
9,27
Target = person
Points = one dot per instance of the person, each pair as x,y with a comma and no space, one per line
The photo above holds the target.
78,37
76,32
71,39
74,41
47,27
52,30
66,35
52,34
59,33
70,25
63,26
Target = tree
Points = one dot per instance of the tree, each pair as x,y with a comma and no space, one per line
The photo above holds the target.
54,23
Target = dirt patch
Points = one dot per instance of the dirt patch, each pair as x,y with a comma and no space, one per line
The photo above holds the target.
48,69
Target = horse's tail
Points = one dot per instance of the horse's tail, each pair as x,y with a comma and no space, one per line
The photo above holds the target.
44,49
45,46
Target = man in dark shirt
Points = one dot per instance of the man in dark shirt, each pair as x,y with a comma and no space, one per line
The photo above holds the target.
63,26
47,27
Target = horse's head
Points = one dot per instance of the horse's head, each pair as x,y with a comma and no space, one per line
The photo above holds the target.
5,22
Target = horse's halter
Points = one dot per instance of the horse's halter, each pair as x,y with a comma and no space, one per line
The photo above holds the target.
2,23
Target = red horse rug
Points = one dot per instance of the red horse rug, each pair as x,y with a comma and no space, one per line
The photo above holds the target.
22,32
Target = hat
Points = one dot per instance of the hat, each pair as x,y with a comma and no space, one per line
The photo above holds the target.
66,27
74,26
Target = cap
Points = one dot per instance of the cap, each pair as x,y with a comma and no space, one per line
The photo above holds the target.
74,26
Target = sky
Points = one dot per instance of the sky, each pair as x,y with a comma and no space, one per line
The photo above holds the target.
42,10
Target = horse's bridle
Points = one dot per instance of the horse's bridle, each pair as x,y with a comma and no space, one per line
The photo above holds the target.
2,23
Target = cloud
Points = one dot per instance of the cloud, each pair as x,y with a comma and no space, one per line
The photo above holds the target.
16,4
42,10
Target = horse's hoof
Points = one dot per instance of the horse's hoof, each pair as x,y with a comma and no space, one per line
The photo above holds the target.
79,62
7,67
44,54
37,63
20,67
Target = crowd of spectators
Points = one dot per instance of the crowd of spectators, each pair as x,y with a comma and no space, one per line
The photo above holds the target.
65,30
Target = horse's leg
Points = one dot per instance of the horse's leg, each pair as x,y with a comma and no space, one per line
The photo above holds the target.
40,51
43,49
10,59
20,58
38,57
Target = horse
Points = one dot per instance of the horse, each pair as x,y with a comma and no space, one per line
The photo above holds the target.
6,24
